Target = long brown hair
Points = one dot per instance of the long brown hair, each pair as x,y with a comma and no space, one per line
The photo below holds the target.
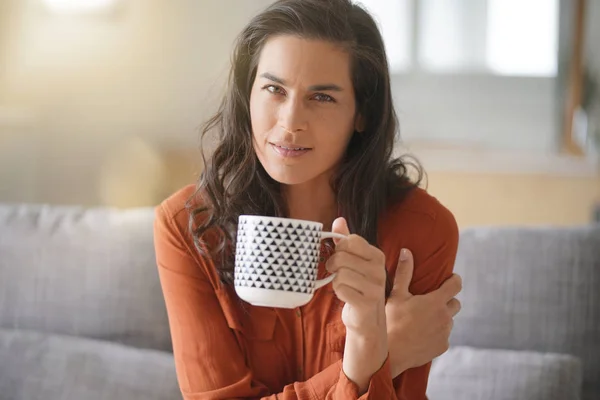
368,179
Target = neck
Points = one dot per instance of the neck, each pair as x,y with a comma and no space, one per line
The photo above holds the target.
313,201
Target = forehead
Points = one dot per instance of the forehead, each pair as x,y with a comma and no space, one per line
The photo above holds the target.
305,61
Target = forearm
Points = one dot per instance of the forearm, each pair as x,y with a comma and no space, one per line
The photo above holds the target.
363,356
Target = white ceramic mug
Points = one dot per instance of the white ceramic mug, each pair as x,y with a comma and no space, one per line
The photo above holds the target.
277,260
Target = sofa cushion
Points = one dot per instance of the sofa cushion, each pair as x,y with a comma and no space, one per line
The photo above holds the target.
47,367
483,374
532,289
82,272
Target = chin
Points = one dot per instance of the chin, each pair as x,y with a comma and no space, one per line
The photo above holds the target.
297,177
294,172
289,179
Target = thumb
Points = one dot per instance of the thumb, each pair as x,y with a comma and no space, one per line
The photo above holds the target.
404,273
340,226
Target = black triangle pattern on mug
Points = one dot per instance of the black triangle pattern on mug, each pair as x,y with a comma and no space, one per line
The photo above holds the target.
273,255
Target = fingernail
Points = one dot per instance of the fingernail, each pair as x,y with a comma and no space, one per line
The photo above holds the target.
403,255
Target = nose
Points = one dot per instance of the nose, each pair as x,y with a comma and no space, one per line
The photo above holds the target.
293,116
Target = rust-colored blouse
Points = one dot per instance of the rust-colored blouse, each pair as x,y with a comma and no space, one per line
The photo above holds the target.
227,349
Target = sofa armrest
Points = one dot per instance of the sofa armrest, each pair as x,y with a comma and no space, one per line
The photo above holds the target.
486,374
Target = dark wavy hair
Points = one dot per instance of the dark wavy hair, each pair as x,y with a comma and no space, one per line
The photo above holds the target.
368,179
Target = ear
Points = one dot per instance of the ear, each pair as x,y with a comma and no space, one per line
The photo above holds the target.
359,123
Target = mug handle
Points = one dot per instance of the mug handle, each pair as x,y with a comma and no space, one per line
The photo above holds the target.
328,235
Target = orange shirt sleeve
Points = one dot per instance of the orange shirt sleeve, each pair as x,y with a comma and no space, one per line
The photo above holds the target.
380,386
208,360
434,263
434,257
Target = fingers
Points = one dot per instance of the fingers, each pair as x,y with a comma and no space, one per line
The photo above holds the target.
374,273
351,287
355,244
360,268
404,273
450,288
454,306
340,226
348,294
358,246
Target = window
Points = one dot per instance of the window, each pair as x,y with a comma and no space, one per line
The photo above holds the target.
395,20
474,73
522,37
501,37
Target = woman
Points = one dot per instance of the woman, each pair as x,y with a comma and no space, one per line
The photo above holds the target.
306,130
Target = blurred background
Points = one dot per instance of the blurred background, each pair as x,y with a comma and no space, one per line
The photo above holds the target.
101,100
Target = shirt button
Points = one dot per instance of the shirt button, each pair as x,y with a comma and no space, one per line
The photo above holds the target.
322,259
298,313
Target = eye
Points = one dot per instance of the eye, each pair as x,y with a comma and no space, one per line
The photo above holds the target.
273,89
323,98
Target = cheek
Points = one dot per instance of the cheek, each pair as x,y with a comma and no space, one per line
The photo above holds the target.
336,130
262,116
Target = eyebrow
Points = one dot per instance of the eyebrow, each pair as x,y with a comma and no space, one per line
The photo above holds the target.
316,88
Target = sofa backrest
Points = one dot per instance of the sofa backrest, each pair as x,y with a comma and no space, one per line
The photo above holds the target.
83,272
92,273
532,289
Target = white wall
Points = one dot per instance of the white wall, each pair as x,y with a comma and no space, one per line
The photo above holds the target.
478,112
144,76
88,105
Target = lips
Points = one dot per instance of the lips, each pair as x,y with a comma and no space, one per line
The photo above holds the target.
289,149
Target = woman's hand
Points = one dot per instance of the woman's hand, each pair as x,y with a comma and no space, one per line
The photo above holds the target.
360,284
418,326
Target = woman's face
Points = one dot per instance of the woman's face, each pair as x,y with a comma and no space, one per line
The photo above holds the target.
302,108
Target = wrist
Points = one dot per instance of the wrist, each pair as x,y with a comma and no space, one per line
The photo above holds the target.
364,355
398,360
397,367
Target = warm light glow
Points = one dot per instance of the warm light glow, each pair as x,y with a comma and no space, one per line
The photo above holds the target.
522,37
395,23
78,6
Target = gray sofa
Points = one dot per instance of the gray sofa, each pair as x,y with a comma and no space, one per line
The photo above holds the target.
530,323
81,310
82,316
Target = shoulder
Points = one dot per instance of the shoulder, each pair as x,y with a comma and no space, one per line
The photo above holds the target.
171,223
420,223
173,208
174,241
421,214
